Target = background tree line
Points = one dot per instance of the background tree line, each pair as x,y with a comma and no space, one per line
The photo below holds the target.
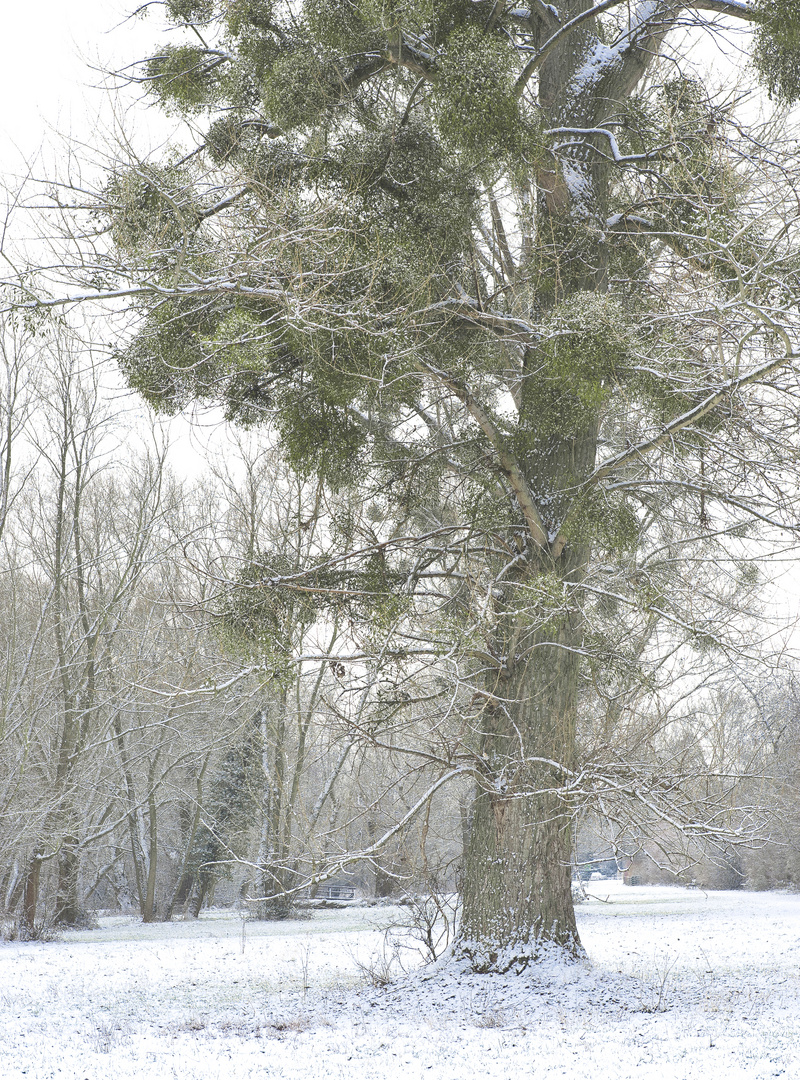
149,738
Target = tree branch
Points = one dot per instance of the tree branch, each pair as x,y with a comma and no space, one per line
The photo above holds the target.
734,8
679,423
506,460
539,58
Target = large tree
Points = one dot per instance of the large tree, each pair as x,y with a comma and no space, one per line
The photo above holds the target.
515,274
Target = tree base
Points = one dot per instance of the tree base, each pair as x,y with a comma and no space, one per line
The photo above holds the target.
484,958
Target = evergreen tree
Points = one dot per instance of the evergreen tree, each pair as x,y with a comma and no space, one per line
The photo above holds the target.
229,815
531,291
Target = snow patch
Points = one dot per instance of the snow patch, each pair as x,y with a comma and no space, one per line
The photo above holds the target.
681,985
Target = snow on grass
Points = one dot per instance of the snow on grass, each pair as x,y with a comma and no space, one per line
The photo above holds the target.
680,984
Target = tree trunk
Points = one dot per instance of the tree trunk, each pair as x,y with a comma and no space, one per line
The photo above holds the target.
275,877
68,906
13,886
517,894
198,896
189,827
149,908
30,897
137,854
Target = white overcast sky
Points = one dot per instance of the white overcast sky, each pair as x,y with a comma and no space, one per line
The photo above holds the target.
46,79
49,92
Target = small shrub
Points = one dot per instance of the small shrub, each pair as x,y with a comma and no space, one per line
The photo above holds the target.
431,920
16,930
655,985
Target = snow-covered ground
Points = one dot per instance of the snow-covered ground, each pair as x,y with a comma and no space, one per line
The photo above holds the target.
680,984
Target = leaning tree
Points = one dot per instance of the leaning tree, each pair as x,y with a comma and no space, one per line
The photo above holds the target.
524,281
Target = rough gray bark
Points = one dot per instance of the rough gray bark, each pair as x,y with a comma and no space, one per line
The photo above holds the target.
517,892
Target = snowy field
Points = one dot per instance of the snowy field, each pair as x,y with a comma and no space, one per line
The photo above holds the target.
680,984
